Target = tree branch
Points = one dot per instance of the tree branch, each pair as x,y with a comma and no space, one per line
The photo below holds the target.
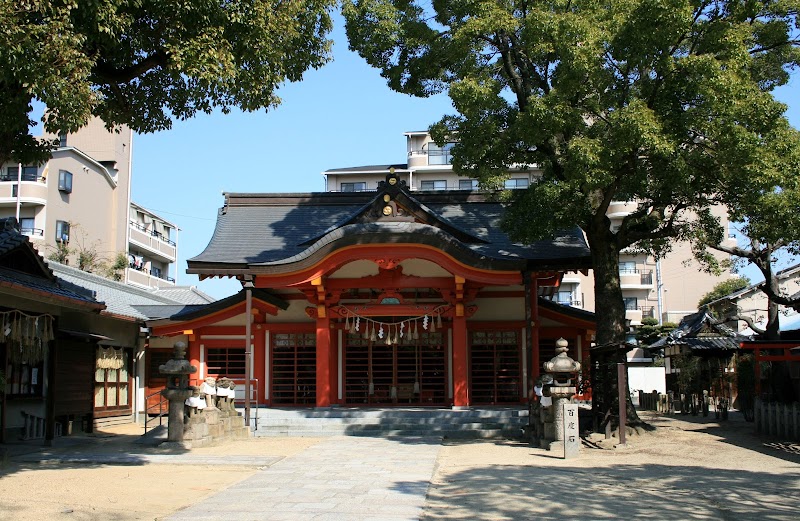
109,75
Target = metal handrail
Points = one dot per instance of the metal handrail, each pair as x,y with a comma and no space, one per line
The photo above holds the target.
147,409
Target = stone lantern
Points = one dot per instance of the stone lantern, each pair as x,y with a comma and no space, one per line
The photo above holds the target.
563,369
177,391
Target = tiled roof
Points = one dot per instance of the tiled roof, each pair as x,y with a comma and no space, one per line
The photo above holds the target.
120,299
701,331
281,229
185,294
51,287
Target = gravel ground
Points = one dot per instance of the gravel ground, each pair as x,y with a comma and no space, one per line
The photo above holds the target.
688,468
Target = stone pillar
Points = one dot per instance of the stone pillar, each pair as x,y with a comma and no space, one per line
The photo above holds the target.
563,369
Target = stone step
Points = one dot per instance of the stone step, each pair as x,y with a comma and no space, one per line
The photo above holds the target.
441,423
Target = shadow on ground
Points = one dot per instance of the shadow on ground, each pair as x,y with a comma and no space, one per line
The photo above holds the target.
615,492
85,451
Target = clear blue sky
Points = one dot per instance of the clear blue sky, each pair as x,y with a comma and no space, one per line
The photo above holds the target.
341,115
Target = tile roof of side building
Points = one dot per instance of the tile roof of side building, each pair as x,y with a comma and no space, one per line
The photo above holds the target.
125,300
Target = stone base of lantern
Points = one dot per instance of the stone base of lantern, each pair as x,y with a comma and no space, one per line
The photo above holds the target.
213,426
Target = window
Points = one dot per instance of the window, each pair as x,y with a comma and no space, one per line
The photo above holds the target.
627,267
520,182
14,190
64,181
156,272
439,155
62,231
631,303
225,362
27,226
29,173
111,389
564,297
467,184
354,187
62,140
433,185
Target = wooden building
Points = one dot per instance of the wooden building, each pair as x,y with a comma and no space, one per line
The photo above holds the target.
378,298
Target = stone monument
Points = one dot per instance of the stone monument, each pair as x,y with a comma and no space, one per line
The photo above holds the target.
563,369
177,391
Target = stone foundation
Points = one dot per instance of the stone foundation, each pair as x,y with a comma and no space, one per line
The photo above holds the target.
214,424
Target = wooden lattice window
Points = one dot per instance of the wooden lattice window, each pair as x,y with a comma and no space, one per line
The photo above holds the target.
225,361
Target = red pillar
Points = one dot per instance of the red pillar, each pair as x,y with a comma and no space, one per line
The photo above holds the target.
333,364
194,356
536,365
323,358
259,355
460,365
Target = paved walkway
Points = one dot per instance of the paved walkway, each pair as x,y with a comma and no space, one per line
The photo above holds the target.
353,478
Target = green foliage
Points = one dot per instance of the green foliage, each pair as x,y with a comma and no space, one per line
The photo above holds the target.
116,268
146,62
650,330
60,253
656,101
725,287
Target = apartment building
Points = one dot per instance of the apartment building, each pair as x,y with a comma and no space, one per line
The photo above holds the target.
80,201
667,289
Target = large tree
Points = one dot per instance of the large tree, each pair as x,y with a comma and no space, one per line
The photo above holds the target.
766,207
144,63
654,101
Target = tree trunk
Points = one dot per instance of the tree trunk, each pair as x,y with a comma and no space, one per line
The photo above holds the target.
609,306
773,327
610,311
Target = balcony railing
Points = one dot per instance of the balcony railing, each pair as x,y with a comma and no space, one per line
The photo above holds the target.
645,276
158,235
26,176
571,303
32,232
152,273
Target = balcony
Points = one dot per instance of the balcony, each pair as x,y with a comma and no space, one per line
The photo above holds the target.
571,303
153,242
30,193
143,277
634,316
636,279
620,209
33,233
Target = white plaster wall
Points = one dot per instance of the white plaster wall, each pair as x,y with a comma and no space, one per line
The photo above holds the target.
647,379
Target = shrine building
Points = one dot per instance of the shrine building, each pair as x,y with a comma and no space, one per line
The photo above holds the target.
380,298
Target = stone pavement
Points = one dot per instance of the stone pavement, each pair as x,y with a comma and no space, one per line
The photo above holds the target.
352,478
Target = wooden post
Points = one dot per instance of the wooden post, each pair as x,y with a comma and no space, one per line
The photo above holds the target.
622,385
50,395
248,349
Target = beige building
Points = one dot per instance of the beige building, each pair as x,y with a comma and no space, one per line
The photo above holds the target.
753,303
668,289
80,201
